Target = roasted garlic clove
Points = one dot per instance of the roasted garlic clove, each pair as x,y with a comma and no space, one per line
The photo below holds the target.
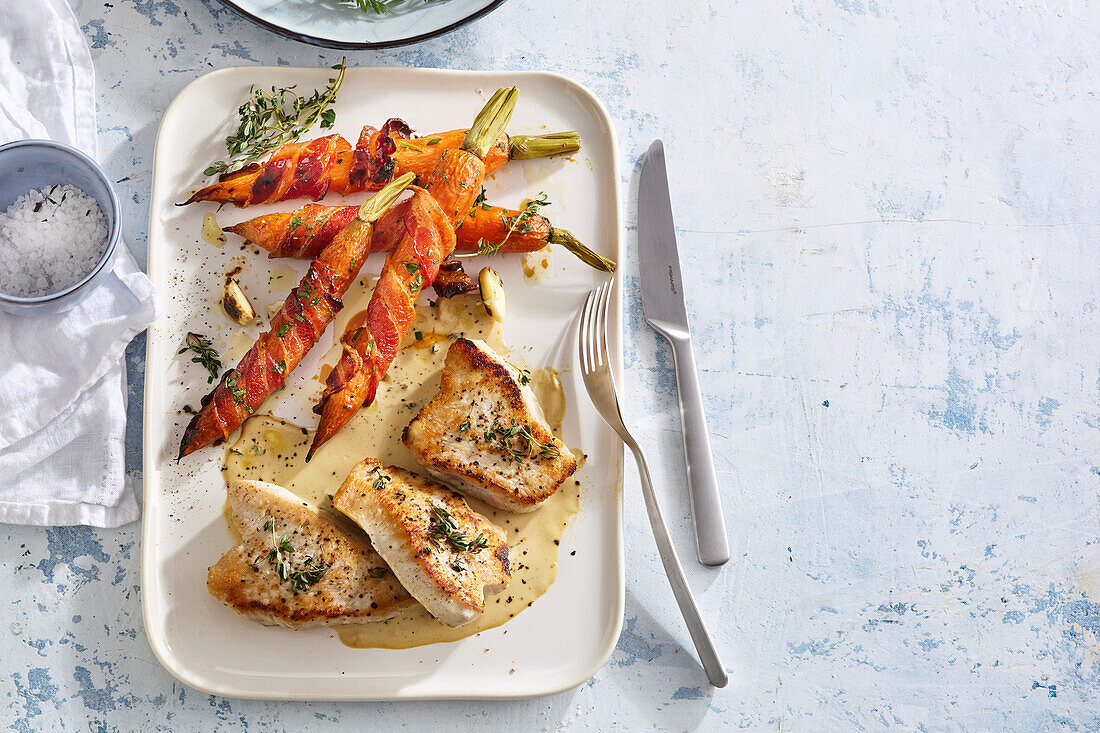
235,304
492,293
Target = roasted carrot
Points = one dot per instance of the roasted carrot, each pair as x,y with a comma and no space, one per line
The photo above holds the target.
485,229
305,314
304,232
369,346
369,349
331,164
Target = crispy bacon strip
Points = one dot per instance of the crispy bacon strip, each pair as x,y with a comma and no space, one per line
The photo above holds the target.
329,163
428,240
305,232
305,314
452,280
372,161
293,171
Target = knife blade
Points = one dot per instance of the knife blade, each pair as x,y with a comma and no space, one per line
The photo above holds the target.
665,310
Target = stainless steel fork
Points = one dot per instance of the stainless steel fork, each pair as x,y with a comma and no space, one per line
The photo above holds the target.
596,369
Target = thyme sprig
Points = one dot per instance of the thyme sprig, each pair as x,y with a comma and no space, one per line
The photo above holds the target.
310,571
280,548
519,443
443,527
271,119
380,7
519,223
205,354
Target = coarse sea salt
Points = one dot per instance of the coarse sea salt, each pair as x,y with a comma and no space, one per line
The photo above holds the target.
50,239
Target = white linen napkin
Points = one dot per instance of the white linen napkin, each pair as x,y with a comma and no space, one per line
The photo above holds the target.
62,377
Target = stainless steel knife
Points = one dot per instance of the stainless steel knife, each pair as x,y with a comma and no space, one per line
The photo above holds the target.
663,303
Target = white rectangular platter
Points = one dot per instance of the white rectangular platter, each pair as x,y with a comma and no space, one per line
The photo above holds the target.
554,645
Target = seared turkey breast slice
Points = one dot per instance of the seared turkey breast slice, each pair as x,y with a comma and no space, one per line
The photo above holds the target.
484,433
444,553
297,566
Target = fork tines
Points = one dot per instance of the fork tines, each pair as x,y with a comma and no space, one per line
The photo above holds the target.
593,329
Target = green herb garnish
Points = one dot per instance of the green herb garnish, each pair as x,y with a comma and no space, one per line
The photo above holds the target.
237,392
205,354
280,548
311,573
382,478
519,443
271,119
278,555
443,527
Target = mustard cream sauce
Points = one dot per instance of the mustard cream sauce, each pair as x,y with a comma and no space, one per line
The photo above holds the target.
270,449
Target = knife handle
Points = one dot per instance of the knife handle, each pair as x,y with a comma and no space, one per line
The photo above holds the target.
711,540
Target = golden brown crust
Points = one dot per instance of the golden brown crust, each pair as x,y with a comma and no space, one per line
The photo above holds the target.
399,510
473,380
356,585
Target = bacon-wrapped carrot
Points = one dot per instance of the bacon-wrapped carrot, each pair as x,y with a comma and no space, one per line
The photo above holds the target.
369,348
306,231
305,314
330,164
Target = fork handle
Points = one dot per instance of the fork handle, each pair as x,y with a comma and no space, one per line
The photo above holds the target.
711,541
704,645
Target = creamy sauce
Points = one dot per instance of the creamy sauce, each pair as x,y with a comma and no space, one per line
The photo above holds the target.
537,264
273,450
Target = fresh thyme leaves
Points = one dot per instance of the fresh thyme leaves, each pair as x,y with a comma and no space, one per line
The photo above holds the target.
378,572
381,478
464,426
521,222
443,527
281,548
524,377
518,223
519,443
270,119
310,573
485,247
205,354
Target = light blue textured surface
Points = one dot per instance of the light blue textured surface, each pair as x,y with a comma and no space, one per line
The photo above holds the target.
888,222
